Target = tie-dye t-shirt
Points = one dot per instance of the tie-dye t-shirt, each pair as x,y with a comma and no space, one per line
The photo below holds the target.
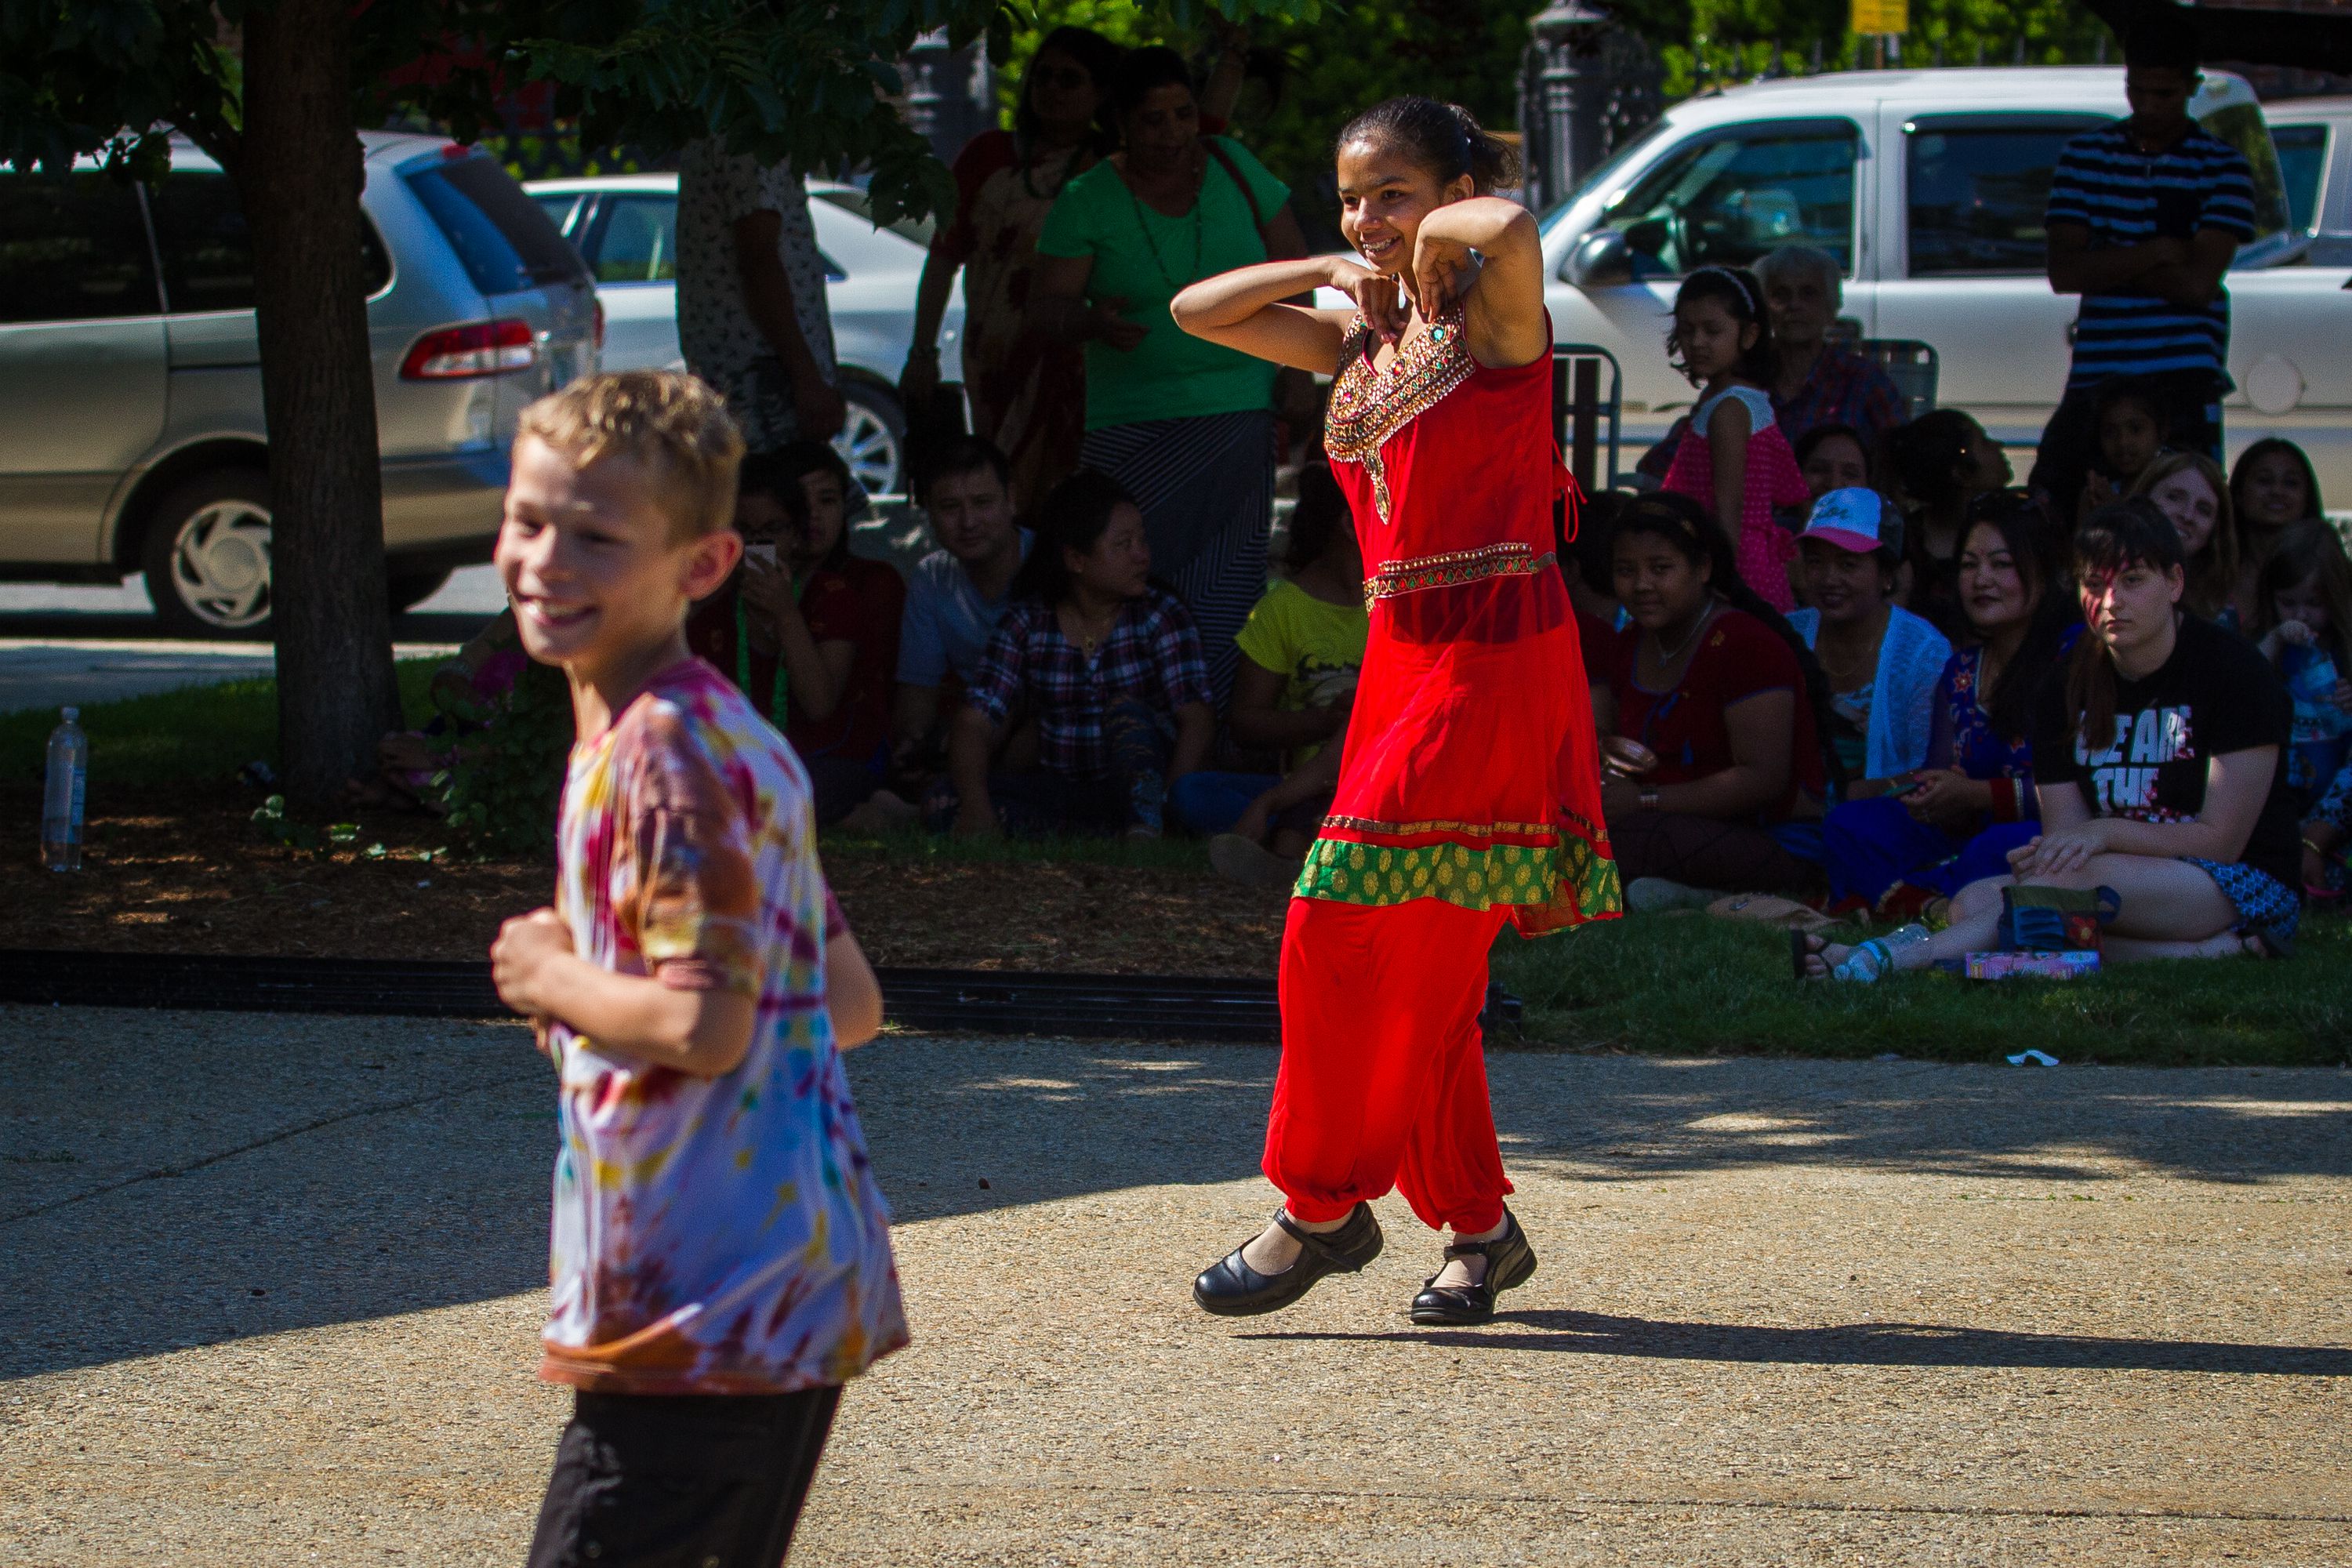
712,1235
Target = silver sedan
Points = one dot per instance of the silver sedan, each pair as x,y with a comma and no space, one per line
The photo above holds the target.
626,226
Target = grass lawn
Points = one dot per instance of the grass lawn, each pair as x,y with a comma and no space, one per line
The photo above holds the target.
199,734
1674,985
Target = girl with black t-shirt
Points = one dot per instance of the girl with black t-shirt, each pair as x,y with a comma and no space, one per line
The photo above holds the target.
2157,758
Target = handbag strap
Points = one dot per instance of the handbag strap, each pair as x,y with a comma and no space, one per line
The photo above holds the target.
1233,172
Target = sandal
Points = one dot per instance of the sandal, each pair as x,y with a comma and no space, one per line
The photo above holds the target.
1769,908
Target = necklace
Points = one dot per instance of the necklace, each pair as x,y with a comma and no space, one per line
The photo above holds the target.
1029,174
1091,630
1665,658
1842,670
1158,260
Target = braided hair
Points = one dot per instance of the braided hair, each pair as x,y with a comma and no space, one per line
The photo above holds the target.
1691,530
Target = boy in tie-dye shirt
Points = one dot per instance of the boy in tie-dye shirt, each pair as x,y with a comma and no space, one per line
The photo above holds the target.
722,1259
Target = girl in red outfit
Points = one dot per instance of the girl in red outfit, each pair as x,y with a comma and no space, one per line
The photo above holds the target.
1468,796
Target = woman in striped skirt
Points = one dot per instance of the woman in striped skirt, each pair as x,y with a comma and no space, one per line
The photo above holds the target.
1181,424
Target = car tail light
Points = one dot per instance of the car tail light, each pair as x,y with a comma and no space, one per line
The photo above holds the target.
478,348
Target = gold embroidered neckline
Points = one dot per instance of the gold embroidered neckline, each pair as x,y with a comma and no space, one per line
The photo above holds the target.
1369,404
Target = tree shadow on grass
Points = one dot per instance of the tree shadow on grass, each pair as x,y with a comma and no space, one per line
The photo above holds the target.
1861,1344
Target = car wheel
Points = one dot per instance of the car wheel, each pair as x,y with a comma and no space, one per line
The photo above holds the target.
873,439
206,555
409,589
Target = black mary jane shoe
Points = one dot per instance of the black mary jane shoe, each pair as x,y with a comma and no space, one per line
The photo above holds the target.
1509,1262
1231,1288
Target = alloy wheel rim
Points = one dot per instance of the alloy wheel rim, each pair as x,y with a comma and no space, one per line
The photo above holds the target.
869,449
220,565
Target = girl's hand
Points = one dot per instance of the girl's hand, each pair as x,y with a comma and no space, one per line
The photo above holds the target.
1107,319
1440,268
1380,297
1253,822
2070,849
1944,796
2294,632
768,590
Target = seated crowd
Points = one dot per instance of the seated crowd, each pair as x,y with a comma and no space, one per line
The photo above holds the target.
1835,658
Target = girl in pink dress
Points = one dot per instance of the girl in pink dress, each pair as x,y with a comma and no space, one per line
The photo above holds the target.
1735,461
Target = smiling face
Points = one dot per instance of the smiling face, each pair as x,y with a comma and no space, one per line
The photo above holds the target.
1835,463
1160,132
1657,584
1711,338
1843,584
1993,589
1118,564
1383,196
2131,607
2271,492
592,564
2187,498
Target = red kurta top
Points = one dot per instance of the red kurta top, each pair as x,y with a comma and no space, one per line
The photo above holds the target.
1470,770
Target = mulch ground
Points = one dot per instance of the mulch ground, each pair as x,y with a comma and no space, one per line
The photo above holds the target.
187,871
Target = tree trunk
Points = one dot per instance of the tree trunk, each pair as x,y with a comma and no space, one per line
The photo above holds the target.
299,168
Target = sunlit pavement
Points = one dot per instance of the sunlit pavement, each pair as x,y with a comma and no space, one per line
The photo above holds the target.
84,645
268,1289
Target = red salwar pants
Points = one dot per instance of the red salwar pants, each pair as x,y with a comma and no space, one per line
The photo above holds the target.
1383,1080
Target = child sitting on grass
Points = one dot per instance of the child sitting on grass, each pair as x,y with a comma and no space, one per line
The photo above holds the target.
721,1255
2303,610
2133,423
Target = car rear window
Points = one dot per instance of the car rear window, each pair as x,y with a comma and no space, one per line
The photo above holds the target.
2302,155
505,240
2241,125
208,250
73,249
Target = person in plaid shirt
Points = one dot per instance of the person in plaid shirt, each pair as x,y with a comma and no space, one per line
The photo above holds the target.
1107,666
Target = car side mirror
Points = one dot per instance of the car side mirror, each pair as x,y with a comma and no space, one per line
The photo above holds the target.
1600,260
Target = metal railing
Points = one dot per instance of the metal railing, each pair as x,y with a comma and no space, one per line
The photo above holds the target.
1578,410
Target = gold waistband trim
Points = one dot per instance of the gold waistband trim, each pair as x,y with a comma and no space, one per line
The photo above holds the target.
1456,567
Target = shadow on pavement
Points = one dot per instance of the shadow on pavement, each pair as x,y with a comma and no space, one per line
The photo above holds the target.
74,625
1864,1344
176,1179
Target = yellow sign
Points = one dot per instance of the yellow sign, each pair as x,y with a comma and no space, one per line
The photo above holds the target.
1881,17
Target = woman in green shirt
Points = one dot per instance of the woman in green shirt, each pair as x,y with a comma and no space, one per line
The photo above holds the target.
1182,424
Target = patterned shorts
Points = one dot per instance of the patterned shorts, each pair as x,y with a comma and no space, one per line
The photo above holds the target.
2266,905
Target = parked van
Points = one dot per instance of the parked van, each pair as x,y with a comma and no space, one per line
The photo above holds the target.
131,419
1929,186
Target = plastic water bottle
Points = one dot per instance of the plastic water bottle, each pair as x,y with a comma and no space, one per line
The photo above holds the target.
61,804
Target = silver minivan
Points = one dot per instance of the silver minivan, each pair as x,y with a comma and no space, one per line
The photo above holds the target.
130,417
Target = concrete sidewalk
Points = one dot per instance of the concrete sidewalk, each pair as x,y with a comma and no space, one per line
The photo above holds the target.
269,1287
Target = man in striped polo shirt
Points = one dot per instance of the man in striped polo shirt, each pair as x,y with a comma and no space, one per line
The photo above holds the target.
2144,217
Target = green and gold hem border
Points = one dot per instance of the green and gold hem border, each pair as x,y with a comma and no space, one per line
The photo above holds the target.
1563,883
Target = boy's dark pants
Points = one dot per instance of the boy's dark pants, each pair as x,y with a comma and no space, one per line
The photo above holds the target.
707,1481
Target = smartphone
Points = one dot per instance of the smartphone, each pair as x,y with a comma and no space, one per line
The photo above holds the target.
763,554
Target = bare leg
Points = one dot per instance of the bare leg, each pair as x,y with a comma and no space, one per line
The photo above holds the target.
2170,909
1976,917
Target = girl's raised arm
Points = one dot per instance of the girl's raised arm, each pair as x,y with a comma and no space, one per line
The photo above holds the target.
1245,309
1503,302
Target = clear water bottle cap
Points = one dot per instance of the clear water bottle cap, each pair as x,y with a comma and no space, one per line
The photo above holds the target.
70,713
